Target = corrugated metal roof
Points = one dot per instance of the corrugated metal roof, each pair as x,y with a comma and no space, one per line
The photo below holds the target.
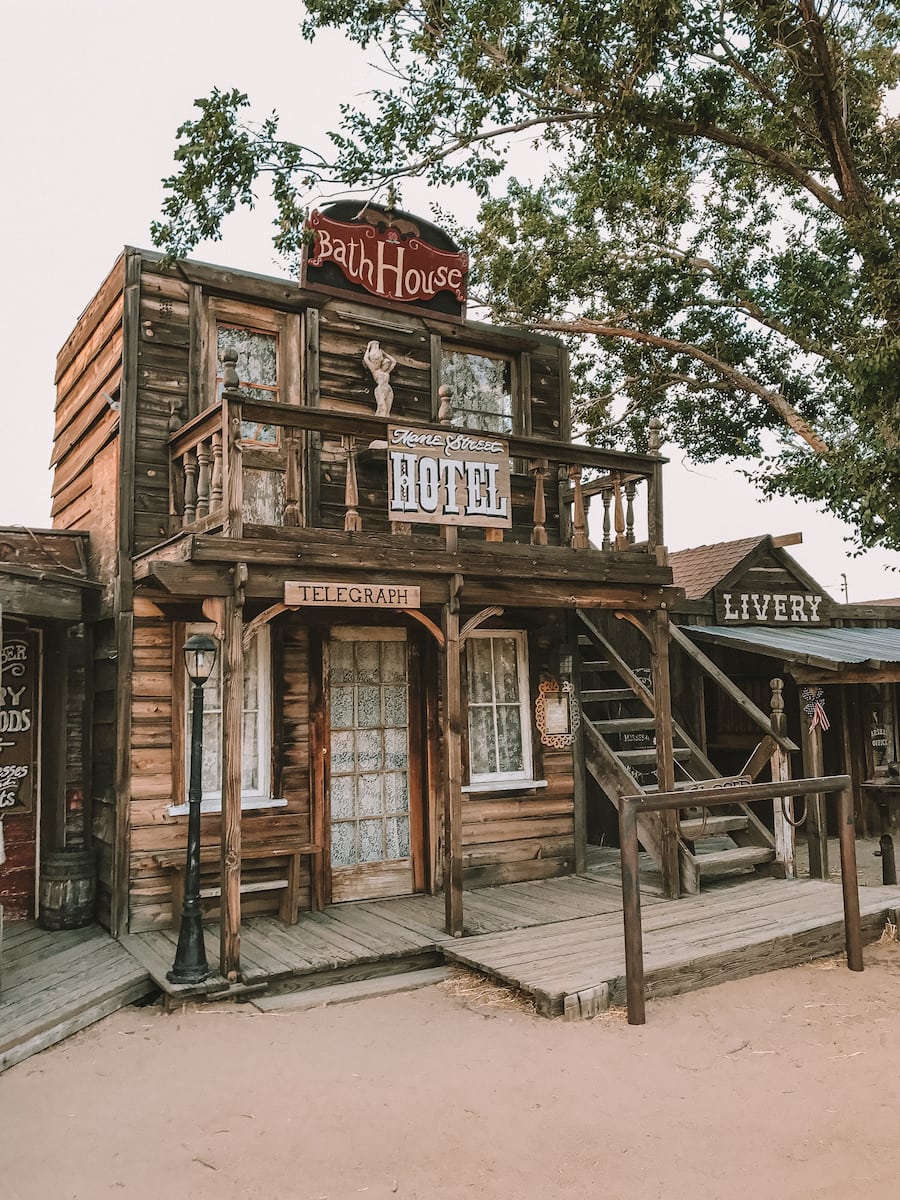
832,648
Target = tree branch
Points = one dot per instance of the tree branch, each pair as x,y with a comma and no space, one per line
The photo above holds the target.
738,379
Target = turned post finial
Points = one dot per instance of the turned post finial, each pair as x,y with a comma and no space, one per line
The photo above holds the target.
445,404
230,379
777,704
654,438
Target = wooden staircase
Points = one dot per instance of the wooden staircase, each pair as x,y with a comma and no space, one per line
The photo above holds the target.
619,722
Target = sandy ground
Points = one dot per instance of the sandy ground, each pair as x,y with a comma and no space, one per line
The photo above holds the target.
786,1084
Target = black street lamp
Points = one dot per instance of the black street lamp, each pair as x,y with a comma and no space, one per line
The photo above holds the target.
190,958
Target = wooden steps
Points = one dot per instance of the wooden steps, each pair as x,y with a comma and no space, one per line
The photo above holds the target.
647,755
621,757
726,862
695,828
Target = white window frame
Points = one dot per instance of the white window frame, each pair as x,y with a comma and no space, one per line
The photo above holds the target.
501,780
258,797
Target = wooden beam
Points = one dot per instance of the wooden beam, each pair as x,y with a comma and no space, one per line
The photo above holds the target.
232,731
781,772
816,813
744,702
852,674
452,737
665,752
122,800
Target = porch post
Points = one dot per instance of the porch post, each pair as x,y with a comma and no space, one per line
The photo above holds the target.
816,813
665,754
232,721
453,892
781,772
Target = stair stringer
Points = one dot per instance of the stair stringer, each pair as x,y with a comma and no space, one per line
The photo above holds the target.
616,781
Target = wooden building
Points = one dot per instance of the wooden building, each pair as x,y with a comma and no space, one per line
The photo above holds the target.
752,609
45,787
376,505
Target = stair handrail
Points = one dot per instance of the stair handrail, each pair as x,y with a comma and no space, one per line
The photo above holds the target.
631,807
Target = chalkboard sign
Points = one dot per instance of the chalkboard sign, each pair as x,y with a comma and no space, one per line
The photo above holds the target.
18,722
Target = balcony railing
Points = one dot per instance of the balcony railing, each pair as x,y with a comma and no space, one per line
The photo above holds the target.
245,465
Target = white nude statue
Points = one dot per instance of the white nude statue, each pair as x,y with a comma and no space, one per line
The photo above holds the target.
380,365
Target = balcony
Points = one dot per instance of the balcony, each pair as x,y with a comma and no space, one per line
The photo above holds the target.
267,483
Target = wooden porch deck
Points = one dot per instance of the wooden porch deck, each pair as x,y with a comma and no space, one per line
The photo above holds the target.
559,941
54,984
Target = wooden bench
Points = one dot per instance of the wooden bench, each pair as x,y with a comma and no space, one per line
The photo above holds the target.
292,850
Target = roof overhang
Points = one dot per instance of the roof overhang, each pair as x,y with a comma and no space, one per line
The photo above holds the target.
835,655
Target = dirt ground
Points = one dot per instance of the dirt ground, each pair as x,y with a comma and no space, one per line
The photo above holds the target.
783,1084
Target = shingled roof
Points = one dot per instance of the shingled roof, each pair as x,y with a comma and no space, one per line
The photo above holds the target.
699,570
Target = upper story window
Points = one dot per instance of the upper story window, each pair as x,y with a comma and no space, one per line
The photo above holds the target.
257,368
481,390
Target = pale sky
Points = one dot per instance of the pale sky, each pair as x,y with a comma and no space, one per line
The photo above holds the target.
92,94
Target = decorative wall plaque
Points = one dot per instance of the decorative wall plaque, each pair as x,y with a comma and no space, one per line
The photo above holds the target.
556,714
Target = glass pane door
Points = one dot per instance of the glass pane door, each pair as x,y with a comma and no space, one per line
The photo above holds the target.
369,794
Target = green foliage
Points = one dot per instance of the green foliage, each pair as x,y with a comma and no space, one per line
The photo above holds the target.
712,214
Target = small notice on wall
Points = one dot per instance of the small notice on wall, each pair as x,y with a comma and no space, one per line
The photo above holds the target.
18,723
445,477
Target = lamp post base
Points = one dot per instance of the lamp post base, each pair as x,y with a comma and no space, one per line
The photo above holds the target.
190,964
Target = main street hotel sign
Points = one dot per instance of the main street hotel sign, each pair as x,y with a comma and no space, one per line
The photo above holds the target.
447,477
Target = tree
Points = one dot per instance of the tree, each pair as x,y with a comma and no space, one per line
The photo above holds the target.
714,222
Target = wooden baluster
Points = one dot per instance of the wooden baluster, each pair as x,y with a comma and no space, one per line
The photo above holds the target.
538,468
215,483
445,405
630,489
190,487
352,519
579,518
619,514
204,459
292,482
606,497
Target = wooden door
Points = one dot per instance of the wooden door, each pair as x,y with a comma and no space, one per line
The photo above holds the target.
373,802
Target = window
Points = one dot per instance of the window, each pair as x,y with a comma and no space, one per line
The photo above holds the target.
256,726
257,368
481,393
499,711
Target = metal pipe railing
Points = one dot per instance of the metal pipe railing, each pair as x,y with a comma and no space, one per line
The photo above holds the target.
707,797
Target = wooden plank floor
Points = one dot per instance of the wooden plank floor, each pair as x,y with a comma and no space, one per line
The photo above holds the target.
54,984
349,942
729,932
551,939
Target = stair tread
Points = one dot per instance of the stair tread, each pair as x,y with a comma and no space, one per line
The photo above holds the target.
590,695
743,856
695,827
648,754
624,724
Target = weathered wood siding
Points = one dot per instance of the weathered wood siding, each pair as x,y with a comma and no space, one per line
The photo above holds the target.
157,776
508,839
163,374
345,329
84,457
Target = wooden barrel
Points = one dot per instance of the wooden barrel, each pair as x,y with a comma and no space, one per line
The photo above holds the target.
67,889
